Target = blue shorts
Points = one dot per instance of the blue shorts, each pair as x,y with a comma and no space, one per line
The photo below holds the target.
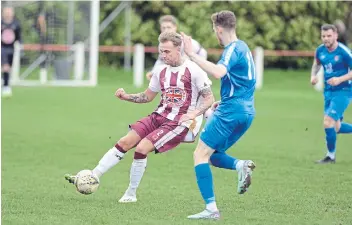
336,105
221,132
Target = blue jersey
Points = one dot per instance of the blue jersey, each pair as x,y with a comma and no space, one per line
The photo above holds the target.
336,63
238,85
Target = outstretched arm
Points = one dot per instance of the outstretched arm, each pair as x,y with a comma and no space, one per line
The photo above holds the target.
143,97
216,70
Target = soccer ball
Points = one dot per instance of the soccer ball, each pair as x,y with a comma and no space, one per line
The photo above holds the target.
86,182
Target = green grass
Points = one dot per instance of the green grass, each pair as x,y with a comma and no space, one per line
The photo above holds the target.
47,132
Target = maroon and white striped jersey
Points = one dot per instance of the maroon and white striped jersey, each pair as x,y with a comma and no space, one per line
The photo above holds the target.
179,87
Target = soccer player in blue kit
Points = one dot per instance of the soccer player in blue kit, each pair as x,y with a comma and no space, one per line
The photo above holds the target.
336,59
232,116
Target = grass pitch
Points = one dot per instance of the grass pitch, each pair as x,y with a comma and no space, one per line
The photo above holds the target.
47,132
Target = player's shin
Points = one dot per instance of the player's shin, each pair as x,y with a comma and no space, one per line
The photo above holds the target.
109,160
205,185
331,141
345,128
136,173
222,160
6,77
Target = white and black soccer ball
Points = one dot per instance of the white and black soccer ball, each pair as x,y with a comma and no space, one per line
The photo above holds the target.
86,182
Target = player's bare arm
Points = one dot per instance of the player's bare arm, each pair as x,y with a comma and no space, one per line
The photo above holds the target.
206,100
334,81
347,77
315,69
215,70
143,97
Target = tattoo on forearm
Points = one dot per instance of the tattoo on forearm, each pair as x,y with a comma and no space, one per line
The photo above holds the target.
315,69
138,98
206,100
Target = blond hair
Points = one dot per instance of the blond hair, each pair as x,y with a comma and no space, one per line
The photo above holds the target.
225,19
168,18
174,37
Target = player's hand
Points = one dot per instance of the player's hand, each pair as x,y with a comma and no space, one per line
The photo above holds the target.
334,81
215,105
187,43
314,80
186,117
121,94
149,75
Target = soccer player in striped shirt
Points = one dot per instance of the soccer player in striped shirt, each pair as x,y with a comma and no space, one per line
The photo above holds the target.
182,84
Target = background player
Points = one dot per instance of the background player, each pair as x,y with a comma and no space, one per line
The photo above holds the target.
181,83
169,23
233,114
10,33
336,59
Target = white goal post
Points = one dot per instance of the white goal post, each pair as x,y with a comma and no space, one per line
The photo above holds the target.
82,56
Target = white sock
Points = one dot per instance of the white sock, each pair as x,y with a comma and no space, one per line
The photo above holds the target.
110,159
136,173
239,165
331,155
212,207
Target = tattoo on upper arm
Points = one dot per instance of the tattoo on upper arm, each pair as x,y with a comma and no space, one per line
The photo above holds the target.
206,99
139,98
206,92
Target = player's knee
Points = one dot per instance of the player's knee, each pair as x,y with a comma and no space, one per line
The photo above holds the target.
200,156
129,141
144,147
329,122
126,143
202,153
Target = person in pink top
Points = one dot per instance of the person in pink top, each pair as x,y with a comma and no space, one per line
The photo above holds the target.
185,94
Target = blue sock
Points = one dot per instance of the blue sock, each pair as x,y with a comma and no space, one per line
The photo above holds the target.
330,139
222,160
346,128
205,182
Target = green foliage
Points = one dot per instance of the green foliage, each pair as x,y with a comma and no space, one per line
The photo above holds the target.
272,25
